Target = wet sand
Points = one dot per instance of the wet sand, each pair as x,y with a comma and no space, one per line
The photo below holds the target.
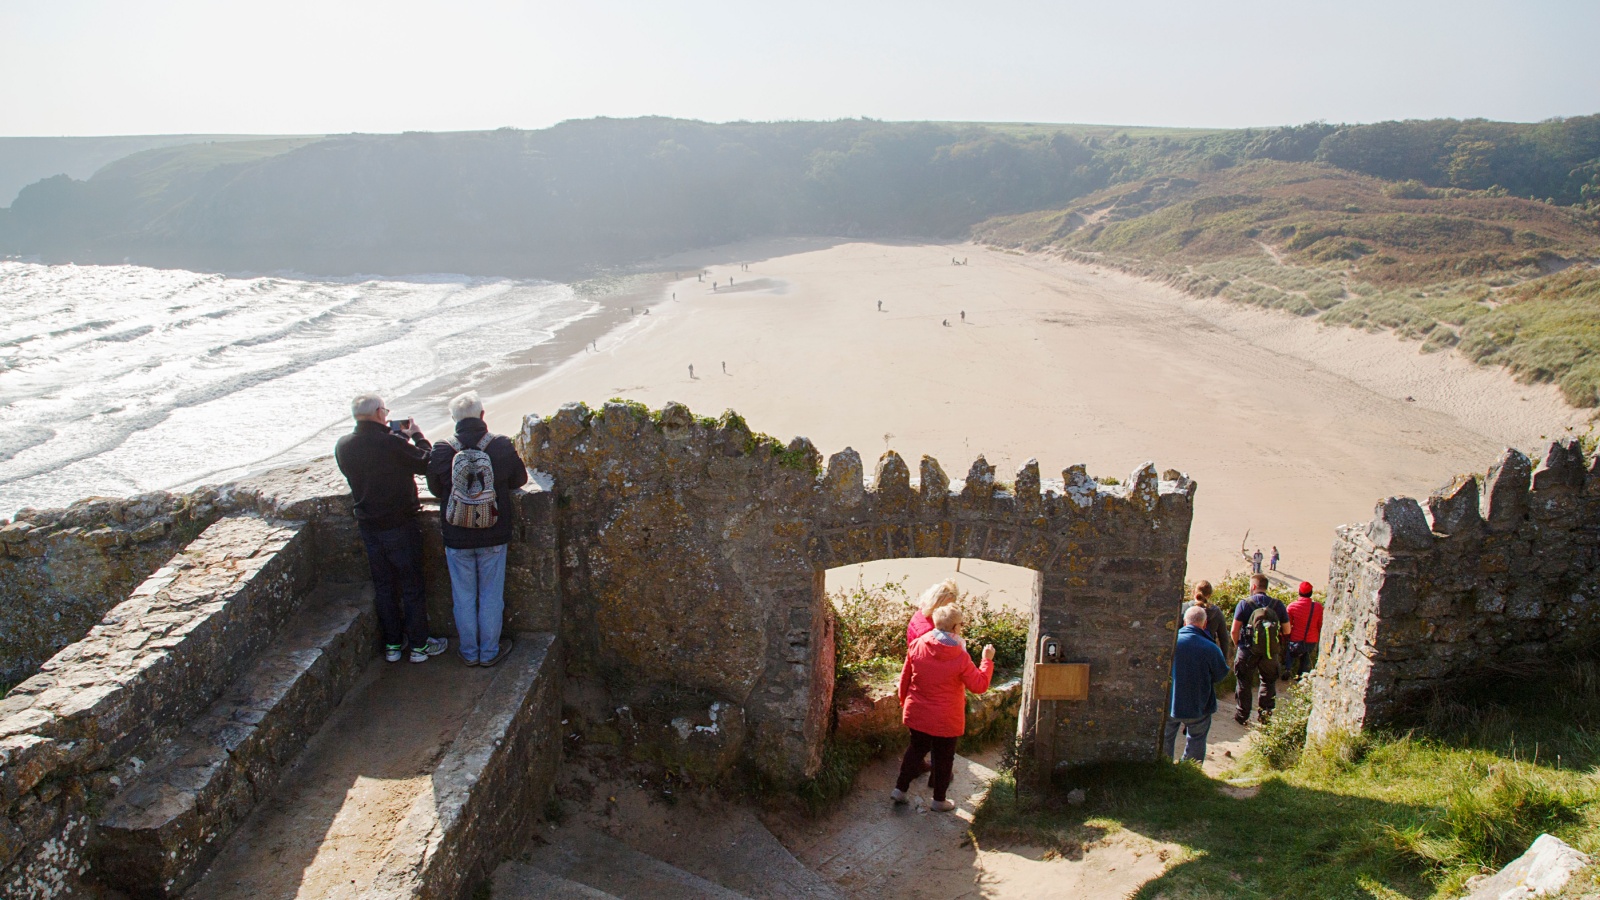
1290,427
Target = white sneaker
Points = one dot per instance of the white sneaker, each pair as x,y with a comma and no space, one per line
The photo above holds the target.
392,654
898,796
433,647
942,805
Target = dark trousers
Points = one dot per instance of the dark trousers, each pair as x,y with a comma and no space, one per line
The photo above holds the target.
944,761
1302,658
395,557
1250,674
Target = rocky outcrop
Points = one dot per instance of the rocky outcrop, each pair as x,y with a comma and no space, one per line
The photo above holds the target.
1492,574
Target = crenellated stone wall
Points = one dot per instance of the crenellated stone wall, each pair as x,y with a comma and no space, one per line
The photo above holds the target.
1493,574
693,555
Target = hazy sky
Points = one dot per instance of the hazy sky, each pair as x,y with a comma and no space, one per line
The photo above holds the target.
81,67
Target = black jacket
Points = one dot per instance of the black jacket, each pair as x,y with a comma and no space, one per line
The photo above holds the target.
382,468
509,474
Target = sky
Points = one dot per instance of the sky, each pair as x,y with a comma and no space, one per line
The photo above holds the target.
100,67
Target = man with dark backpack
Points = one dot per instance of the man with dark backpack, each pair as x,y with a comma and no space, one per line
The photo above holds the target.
473,475
1258,634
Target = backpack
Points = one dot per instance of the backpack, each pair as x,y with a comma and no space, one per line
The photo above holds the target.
1265,648
472,498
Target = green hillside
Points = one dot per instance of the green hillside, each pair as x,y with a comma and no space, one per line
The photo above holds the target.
1509,280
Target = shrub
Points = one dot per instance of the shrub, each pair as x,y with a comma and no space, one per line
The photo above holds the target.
1006,629
1278,743
870,626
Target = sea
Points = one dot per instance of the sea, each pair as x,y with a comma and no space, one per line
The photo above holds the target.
116,380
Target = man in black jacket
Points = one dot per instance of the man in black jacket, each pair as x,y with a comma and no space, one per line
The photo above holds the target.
473,477
381,466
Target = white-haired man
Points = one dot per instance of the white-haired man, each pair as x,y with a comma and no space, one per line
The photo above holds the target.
473,476
382,465
1197,669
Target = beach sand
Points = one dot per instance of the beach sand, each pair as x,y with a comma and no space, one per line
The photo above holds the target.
1290,427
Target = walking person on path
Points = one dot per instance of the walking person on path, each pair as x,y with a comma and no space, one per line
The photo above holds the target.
1258,634
1197,668
1216,622
1274,561
382,464
933,700
473,474
1305,633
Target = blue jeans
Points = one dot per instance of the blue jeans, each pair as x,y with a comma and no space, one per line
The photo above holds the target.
477,585
1194,745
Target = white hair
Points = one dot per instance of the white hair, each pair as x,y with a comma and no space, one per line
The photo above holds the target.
466,406
1194,616
365,405
948,618
938,595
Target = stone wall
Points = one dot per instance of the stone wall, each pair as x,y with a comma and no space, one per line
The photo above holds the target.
693,555
72,734
61,569
1493,574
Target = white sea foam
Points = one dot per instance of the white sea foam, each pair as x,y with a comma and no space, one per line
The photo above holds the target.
121,379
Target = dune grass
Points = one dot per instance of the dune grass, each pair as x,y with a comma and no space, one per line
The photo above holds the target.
1411,813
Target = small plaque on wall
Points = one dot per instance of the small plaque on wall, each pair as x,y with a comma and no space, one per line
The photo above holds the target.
1061,681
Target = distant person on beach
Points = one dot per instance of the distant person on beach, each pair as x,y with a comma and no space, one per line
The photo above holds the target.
880,306
1305,633
946,323
933,701
1255,562
382,461
1216,624
724,367
963,315
691,370
473,475
1197,668
1273,562
1258,634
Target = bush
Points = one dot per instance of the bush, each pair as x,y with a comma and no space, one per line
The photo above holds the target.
1279,742
870,627
1006,629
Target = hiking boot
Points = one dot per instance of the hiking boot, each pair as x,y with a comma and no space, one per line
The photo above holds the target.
392,652
505,650
942,805
898,796
433,647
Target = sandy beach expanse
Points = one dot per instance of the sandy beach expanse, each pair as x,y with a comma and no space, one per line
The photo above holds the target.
1290,427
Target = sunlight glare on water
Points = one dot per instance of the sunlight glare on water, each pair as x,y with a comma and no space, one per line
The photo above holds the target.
120,379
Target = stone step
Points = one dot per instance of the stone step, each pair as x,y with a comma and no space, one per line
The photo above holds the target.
734,849
606,864
158,833
518,881
424,778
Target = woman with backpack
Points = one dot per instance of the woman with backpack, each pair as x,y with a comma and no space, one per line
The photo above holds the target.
473,475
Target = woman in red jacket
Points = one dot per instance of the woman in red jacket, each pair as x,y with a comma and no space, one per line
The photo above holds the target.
933,701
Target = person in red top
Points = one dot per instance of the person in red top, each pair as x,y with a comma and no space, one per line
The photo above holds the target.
942,594
933,701
1305,631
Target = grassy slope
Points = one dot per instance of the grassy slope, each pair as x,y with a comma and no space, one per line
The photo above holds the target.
1494,274
1409,814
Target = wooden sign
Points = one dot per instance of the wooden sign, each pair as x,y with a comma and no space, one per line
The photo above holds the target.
1061,681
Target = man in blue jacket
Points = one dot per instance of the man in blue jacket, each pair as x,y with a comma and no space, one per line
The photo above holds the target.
1197,667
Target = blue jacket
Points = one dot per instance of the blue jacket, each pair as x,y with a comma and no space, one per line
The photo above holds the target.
1197,666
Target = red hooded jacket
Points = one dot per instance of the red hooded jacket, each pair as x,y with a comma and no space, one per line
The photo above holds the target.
934,685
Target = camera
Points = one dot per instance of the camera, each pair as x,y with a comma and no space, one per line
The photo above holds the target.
399,426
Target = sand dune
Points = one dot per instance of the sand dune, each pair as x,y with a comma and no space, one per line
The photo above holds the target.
1290,427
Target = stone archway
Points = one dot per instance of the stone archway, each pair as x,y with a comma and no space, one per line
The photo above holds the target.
694,552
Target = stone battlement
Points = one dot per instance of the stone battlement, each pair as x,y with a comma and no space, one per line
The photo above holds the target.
1492,574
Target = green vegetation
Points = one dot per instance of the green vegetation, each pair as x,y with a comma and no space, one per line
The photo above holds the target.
1396,814
1509,281
870,630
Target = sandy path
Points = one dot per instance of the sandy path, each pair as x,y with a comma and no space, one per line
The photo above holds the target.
1290,428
